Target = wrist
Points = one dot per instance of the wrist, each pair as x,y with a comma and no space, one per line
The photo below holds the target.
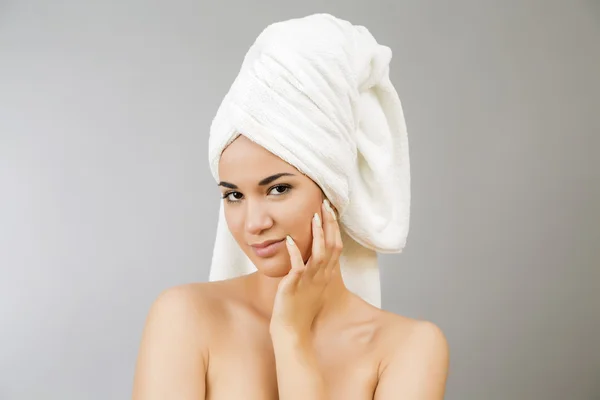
281,332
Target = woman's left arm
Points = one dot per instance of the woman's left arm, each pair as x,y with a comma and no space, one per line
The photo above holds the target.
418,369
298,299
298,373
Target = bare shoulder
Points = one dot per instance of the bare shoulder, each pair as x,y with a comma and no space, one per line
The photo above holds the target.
417,359
173,352
404,333
195,305
188,300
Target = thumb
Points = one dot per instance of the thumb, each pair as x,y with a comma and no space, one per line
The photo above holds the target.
291,280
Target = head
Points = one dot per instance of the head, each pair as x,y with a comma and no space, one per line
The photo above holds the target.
261,208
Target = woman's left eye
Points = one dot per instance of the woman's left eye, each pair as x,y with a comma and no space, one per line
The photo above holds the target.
285,187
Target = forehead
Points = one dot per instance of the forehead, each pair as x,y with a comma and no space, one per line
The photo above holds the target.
244,158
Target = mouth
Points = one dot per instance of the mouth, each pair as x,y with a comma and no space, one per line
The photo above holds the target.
268,249
265,243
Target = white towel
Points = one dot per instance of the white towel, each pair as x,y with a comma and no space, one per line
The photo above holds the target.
316,92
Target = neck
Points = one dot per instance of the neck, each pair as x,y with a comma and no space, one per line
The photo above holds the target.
336,304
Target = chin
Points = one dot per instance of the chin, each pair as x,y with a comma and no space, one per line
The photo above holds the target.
273,267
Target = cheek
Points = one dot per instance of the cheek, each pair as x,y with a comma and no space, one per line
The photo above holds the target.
301,230
300,224
235,223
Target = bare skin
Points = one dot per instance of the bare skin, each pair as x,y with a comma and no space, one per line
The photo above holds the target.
214,340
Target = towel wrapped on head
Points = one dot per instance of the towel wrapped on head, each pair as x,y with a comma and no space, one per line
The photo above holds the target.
316,92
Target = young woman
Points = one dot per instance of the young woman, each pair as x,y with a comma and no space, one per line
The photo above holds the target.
291,330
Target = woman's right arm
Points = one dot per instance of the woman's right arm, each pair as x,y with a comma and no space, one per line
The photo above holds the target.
172,358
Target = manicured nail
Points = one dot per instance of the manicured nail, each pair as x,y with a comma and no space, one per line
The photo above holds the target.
317,219
290,241
328,207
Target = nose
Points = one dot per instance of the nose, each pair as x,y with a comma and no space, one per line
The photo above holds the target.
258,218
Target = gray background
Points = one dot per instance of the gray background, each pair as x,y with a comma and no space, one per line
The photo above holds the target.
107,199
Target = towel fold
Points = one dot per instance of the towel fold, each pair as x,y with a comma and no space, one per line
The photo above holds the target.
316,92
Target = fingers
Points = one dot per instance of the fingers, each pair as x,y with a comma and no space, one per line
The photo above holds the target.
324,255
326,248
291,280
333,238
319,251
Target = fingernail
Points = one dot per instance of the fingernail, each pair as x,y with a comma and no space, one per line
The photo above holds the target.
317,219
328,207
289,240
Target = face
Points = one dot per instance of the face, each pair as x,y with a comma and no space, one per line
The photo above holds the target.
259,206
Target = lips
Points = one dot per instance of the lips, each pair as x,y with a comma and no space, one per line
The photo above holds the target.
268,248
265,244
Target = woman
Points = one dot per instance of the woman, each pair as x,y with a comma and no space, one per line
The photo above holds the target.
292,329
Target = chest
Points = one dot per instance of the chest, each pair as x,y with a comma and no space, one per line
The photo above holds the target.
242,366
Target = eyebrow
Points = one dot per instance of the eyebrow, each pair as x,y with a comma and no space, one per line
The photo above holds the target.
263,182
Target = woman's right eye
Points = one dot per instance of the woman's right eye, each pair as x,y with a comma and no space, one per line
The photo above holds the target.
227,198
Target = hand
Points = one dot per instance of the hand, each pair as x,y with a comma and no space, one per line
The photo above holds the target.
300,293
